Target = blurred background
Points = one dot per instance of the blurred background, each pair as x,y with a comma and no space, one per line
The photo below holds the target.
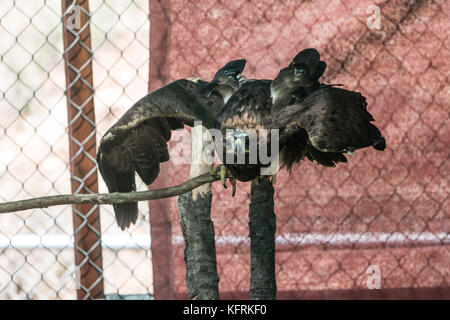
36,246
389,211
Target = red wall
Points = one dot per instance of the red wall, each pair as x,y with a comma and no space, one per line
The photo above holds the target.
390,209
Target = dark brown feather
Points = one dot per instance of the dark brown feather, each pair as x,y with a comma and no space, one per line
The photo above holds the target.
315,120
293,148
336,120
137,142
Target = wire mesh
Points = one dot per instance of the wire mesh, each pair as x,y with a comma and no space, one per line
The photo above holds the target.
381,212
385,212
37,257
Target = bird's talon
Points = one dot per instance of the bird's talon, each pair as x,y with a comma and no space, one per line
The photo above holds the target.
215,171
233,186
222,172
223,175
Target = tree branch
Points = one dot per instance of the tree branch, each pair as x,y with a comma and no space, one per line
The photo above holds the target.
107,198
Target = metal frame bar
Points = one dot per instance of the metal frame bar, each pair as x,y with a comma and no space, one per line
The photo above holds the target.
160,221
81,125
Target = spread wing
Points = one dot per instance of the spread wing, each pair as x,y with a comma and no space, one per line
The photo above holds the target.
257,100
334,121
137,142
316,120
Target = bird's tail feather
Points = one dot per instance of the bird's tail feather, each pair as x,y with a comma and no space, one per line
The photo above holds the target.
126,213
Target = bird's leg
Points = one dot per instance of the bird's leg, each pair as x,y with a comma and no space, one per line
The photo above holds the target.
220,171
223,176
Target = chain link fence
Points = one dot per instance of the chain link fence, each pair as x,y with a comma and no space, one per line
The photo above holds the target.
381,214
37,246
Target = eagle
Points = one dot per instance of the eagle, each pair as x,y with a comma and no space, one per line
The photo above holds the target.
313,120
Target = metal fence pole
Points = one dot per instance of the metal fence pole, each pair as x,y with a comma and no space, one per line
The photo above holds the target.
160,220
81,124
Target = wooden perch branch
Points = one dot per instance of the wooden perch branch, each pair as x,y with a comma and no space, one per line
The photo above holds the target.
262,227
107,198
194,215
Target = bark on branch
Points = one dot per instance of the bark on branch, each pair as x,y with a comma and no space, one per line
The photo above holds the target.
107,198
194,214
262,225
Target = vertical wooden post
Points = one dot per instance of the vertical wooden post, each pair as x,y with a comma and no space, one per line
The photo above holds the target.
81,124
194,214
262,225
160,222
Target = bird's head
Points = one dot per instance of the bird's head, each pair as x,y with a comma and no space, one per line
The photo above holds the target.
231,73
297,79
308,62
308,56
229,79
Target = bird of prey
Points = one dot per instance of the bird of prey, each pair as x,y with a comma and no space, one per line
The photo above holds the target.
318,121
137,142
314,120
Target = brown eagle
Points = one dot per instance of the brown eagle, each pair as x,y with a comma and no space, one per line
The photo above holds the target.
314,120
